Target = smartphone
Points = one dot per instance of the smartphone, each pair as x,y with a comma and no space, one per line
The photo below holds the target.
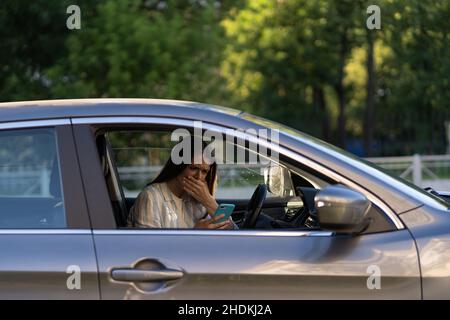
226,209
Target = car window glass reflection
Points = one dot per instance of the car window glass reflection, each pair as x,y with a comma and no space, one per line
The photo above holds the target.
30,181
151,191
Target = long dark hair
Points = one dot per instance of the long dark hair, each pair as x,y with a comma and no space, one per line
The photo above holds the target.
171,170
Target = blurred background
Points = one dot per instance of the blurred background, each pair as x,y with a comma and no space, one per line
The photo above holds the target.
310,64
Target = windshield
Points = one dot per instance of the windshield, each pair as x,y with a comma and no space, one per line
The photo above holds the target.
413,190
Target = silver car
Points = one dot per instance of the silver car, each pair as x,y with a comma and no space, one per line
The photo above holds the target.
317,223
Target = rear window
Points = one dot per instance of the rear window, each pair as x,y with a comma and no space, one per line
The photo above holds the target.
30,180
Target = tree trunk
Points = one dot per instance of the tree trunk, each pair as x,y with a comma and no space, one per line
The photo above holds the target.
320,104
369,121
339,87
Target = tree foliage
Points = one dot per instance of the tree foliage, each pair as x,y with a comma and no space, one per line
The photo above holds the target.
134,49
312,65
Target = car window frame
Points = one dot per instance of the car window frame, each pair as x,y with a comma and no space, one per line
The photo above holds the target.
75,207
96,124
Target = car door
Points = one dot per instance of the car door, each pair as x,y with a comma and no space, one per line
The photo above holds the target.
46,247
238,264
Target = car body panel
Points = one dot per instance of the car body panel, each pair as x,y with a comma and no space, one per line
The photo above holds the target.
232,265
430,229
38,265
55,109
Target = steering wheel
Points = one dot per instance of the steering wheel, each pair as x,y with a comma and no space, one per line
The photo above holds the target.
254,206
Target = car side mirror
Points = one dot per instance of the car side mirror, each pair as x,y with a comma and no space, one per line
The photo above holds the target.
341,209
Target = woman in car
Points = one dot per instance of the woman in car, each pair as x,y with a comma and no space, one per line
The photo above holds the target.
181,196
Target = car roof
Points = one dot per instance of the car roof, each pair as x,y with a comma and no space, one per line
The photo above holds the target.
54,109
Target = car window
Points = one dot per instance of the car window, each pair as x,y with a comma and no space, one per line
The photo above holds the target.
239,179
30,181
140,156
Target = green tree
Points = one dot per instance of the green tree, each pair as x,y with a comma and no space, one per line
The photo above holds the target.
153,49
33,35
415,77
285,59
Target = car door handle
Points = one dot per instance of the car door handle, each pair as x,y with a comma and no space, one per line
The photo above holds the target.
136,275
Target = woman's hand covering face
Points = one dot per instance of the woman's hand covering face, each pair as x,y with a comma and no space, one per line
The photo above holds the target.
198,189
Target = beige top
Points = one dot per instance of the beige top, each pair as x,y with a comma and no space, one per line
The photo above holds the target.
157,207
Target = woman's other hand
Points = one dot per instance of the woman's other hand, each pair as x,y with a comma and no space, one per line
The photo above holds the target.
213,224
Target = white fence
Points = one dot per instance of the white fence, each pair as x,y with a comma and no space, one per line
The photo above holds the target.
235,181
25,182
424,171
